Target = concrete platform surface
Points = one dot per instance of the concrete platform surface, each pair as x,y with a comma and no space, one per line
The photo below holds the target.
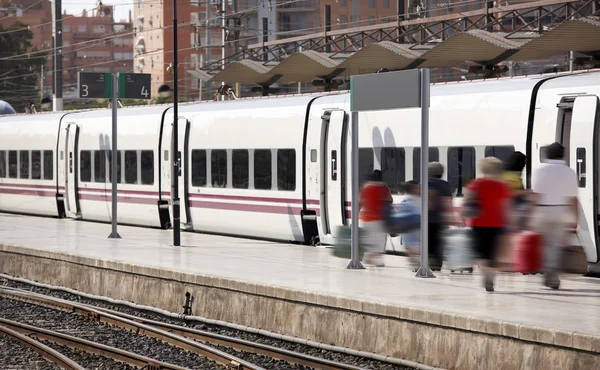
518,299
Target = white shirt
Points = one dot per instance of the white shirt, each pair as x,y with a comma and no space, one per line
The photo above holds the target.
555,182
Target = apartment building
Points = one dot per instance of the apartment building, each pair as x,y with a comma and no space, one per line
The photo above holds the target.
92,41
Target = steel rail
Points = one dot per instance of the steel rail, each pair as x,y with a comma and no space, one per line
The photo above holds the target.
94,314
129,358
46,352
218,339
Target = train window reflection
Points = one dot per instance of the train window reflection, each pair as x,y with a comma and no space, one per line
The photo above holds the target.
12,164
36,165
48,165
147,159
393,167
218,168
131,167
109,157
3,164
99,166
198,167
85,166
24,164
503,153
262,169
434,156
366,162
240,172
461,168
286,169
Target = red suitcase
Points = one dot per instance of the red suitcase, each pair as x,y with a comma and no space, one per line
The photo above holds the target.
528,252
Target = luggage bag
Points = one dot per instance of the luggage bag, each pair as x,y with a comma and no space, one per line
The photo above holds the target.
458,244
343,243
402,218
528,252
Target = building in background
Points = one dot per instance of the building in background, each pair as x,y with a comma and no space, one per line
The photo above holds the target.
92,41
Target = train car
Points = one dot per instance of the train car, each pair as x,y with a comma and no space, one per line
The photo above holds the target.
278,168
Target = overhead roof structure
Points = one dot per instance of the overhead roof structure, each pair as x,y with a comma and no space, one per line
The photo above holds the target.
476,46
582,35
369,58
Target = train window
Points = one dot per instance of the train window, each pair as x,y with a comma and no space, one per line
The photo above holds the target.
581,171
503,153
262,169
3,164
24,164
131,167
240,172
99,166
12,164
109,156
286,169
366,163
85,166
147,159
434,156
313,155
36,165
393,167
198,167
218,168
461,168
48,165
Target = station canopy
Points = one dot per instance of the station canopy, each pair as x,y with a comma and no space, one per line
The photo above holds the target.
476,46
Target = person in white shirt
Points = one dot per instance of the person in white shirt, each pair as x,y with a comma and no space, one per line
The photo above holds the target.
412,240
555,188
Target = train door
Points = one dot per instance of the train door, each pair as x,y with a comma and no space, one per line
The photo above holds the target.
583,153
182,156
72,168
333,211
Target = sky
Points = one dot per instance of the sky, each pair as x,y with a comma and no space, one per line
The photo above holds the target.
122,7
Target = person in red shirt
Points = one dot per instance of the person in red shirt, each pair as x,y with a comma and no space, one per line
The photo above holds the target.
492,198
374,197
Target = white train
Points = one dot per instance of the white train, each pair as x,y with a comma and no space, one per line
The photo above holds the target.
278,168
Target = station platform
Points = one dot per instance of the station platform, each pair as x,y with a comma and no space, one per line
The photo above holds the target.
448,322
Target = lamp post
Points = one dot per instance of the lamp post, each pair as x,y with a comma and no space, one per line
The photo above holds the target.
175,158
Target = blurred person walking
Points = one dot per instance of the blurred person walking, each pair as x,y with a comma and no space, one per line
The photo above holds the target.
491,197
441,211
555,188
375,196
412,239
513,169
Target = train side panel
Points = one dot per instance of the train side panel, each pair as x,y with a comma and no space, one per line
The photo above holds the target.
28,164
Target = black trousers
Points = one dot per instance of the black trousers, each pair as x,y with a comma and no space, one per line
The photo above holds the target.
436,253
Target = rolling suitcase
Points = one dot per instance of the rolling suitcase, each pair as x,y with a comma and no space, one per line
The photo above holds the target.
458,244
342,244
528,252
573,257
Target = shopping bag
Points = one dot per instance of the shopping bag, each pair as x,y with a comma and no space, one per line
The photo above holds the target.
402,218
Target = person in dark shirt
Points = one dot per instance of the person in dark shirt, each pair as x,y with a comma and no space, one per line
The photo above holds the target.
441,211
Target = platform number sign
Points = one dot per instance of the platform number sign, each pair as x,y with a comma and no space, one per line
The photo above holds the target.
134,85
92,85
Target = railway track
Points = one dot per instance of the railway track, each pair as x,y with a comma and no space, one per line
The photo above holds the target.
198,341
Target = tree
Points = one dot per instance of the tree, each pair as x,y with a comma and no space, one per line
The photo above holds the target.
20,66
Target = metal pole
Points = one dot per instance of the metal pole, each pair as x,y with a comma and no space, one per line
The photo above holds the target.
355,241
58,72
208,42
114,106
424,270
223,27
175,151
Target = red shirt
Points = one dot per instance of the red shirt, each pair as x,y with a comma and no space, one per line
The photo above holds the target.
373,197
491,195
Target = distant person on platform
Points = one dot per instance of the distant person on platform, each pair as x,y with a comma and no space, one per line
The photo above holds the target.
555,187
30,108
373,198
412,240
118,101
441,213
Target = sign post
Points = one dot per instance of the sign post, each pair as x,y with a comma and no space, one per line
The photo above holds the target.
391,90
114,86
